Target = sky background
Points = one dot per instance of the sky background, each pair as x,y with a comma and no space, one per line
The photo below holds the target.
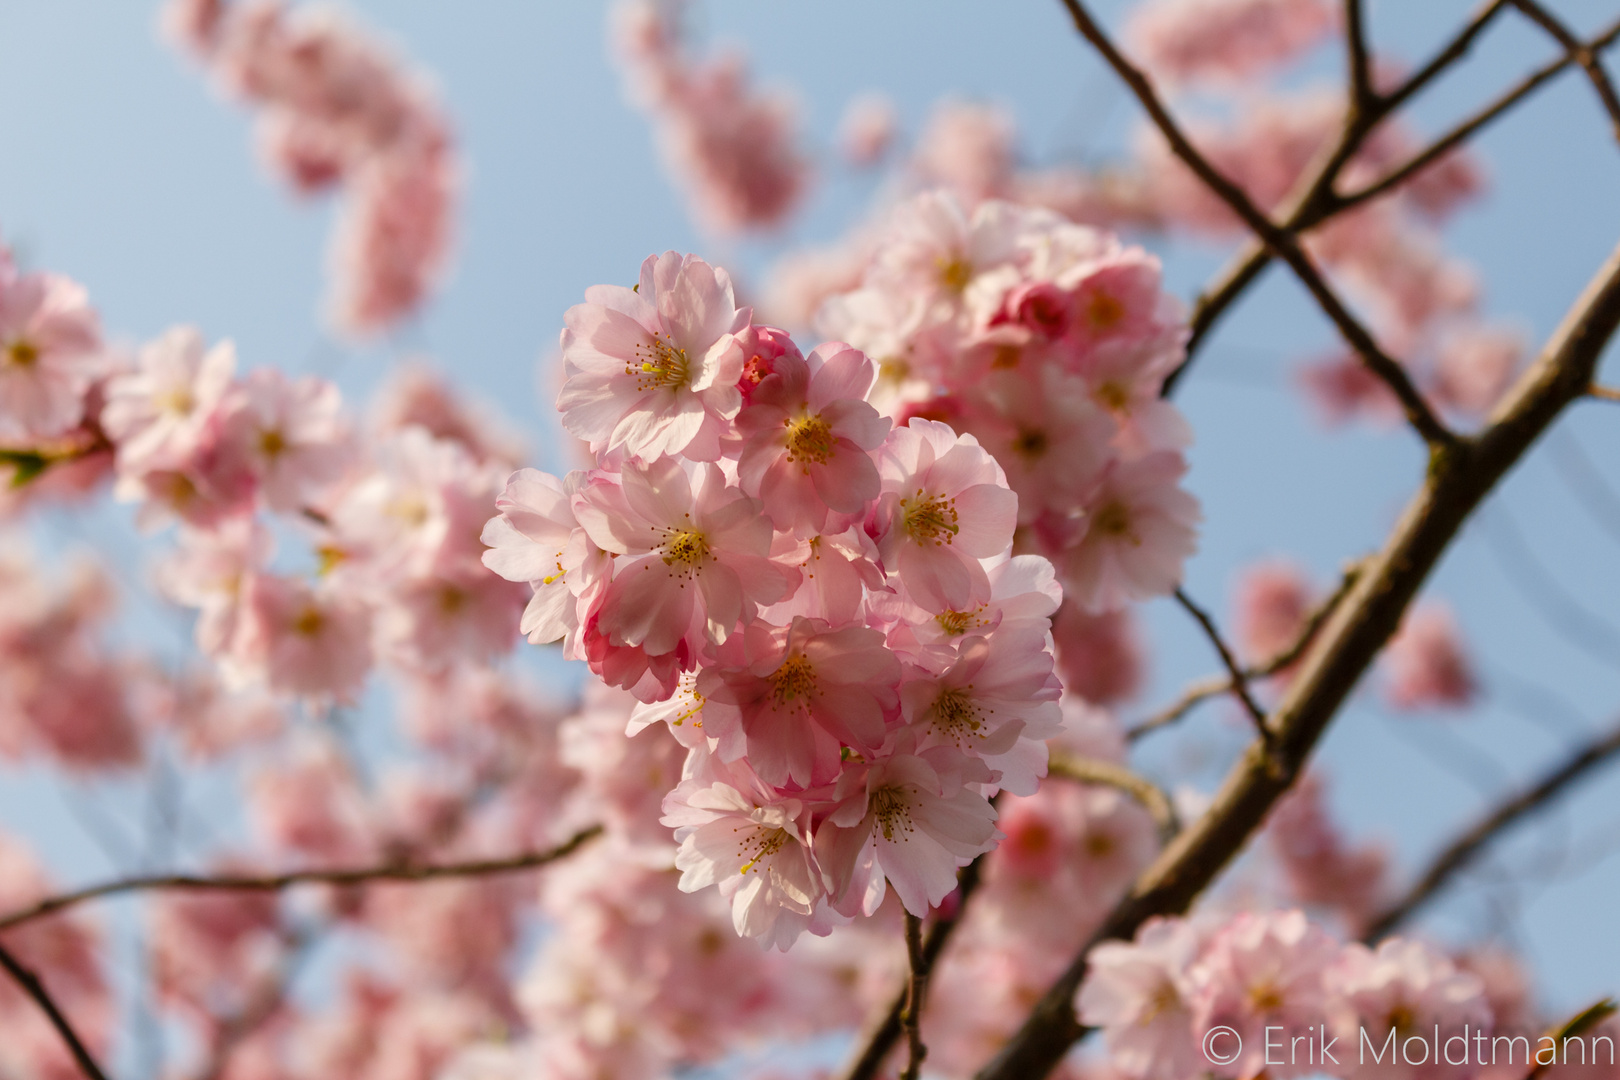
121,168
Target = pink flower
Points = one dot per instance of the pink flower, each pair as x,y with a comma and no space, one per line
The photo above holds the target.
1273,602
1262,969
693,555
291,434
840,571
208,572
1474,366
536,539
50,351
654,371
1137,993
904,821
416,395
1407,990
1226,40
945,506
1321,869
1427,663
810,434
313,643
795,696
1139,529
157,414
761,347
867,129
968,148
997,701
1098,655
756,847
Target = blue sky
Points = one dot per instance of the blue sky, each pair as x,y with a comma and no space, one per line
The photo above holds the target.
118,166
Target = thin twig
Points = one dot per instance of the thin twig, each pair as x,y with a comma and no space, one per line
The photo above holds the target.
1359,61
529,860
1238,678
1448,142
1453,51
1283,243
916,994
1582,1022
1605,393
1582,53
1096,771
30,984
1456,483
1457,855
887,1032
1216,685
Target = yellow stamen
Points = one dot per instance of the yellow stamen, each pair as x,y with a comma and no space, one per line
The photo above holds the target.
662,365
809,440
926,518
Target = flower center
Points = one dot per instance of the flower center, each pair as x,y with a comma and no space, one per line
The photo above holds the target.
662,366
889,812
809,439
272,443
22,353
687,548
926,518
1006,357
1401,1017
1105,311
177,401
957,623
955,273
1113,520
956,715
1162,1000
309,622
1265,998
794,681
765,844
1031,443
1113,395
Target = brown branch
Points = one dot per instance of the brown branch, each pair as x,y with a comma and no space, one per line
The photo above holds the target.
1217,685
1603,393
916,994
1461,852
1453,51
1582,53
1095,771
395,871
30,984
1448,142
1582,1022
1237,678
887,1032
1282,242
1362,95
1457,481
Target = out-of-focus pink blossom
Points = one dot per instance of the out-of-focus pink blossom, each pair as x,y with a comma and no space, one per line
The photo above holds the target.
1427,663
1098,655
1473,366
303,640
291,433
1321,869
1272,602
1406,989
967,147
867,129
50,351
158,414
1137,993
1226,40
1139,530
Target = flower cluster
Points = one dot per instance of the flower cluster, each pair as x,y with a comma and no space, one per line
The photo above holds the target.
1049,342
824,608
337,111
1159,998
731,147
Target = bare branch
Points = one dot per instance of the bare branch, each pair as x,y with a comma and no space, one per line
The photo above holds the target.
30,985
529,860
1237,678
1362,95
887,1033
916,994
1453,51
1582,1022
1457,855
1095,771
1282,242
1582,53
1454,138
1603,393
1457,481
1217,685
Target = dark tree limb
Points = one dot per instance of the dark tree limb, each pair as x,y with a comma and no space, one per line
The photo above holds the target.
31,985
1458,480
1579,51
916,995
1461,852
1282,242
396,871
1358,58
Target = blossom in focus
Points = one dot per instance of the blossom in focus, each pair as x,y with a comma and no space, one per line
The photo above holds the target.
1139,530
654,370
